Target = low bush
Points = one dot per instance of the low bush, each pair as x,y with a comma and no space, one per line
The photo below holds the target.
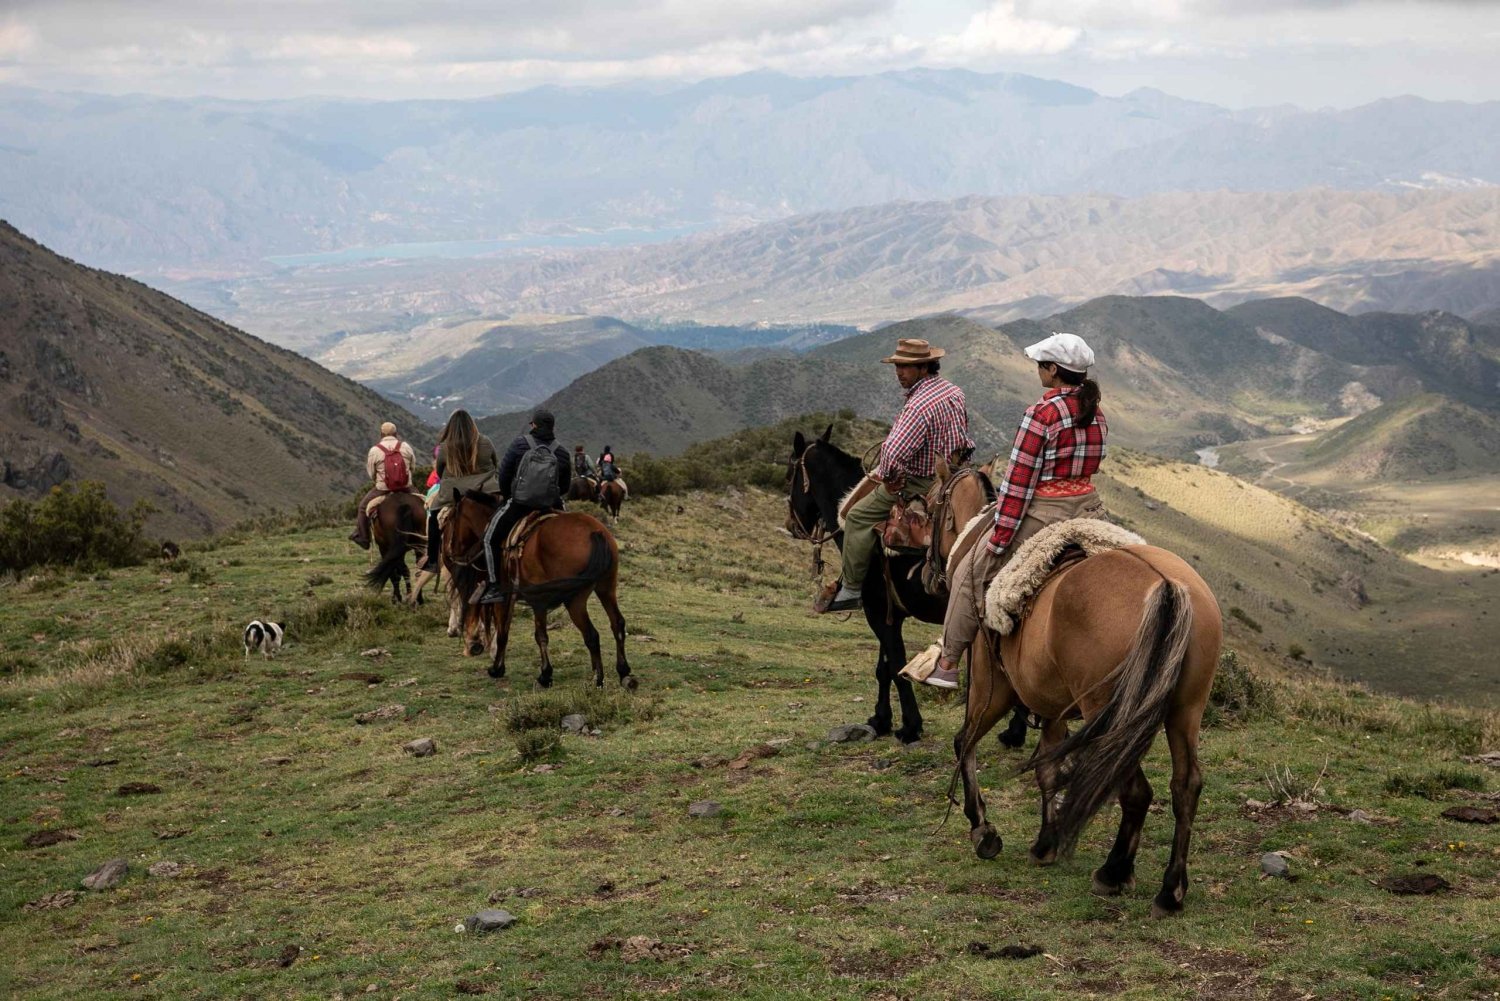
545,710
1434,784
76,526
1238,695
1243,616
538,745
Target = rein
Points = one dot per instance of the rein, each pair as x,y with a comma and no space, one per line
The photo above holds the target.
818,534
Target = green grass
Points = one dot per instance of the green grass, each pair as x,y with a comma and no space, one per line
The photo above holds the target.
829,873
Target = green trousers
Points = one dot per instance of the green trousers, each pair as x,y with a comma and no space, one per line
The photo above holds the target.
859,527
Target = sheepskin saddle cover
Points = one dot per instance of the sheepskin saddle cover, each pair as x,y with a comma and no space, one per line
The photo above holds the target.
1022,577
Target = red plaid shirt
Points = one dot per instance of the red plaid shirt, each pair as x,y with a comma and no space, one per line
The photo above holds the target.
934,422
1048,447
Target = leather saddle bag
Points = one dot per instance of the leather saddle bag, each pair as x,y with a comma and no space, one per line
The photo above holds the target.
908,528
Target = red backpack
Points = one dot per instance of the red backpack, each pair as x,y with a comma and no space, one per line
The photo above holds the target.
397,477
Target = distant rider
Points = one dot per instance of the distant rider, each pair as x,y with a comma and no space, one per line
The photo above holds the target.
933,422
608,471
581,465
1057,450
389,463
529,483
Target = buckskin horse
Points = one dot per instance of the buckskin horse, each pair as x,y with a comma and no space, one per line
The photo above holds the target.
819,475
564,558
396,525
1129,639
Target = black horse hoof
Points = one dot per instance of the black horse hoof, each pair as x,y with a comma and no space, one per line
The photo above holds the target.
1102,887
882,727
909,737
476,648
987,843
496,672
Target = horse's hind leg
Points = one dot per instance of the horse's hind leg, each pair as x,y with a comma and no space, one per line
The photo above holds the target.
578,611
1014,735
501,612
1044,849
1187,785
990,698
911,716
540,632
1117,874
606,590
880,721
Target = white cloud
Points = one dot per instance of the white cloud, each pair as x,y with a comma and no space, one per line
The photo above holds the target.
999,30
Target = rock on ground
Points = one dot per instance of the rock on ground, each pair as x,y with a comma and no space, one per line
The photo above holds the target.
851,734
107,875
1273,865
384,712
575,723
489,919
422,747
164,869
705,808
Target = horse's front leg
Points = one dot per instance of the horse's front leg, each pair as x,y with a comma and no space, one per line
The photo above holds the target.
911,715
502,611
539,630
990,697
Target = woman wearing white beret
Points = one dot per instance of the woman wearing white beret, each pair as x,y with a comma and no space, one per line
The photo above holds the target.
1057,450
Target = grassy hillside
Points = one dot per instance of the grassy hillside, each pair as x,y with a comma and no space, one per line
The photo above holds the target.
102,378
315,859
1418,437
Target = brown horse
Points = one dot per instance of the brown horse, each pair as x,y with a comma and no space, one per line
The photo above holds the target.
611,496
1129,639
584,488
563,560
396,528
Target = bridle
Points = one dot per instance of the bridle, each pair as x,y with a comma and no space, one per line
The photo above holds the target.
818,534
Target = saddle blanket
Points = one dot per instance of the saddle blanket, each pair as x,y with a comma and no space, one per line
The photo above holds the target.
1026,572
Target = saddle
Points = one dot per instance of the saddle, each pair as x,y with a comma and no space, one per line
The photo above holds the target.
515,544
1049,552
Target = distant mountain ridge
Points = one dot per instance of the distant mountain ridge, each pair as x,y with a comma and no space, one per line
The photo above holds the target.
1177,375
247,180
102,378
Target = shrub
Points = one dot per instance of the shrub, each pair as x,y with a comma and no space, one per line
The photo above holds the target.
78,527
1238,696
1434,784
538,745
1296,651
545,710
1243,616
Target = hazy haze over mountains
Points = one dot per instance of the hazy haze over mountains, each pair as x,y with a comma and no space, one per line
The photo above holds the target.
244,180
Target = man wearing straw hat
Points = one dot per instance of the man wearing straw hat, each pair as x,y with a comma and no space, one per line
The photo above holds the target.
933,422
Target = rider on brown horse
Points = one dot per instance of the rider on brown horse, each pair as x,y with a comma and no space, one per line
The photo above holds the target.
465,461
1057,450
524,491
389,463
933,423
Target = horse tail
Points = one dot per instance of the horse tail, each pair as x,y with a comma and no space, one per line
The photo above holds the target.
1106,751
393,563
547,595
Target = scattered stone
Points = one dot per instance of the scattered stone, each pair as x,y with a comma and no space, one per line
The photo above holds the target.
384,712
407,683
367,677
1491,758
138,789
288,956
639,947
1360,817
107,875
102,762
422,747
983,951
752,754
544,769
615,811
1255,804
44,839
375,651
1274,866
814,745
527,892
1471,815
172,835
164,870
489,920
853,733
705,808
881,764
52,901
1414,884
575,723
1152,505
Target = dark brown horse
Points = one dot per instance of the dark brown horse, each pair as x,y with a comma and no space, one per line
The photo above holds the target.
396,528
819,475
611,496
584,488
564,559
1129,639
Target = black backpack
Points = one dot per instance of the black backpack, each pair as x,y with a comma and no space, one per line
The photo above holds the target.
536,477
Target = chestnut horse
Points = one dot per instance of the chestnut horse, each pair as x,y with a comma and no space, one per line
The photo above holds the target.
819,475
611,496
583,488
1128,639
564,559
396,527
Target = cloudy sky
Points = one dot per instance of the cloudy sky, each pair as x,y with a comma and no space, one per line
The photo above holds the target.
1237,52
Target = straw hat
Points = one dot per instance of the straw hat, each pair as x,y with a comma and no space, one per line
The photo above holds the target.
910,351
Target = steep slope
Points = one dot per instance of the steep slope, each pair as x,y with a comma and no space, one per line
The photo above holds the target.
1418,437
102,378
1447,352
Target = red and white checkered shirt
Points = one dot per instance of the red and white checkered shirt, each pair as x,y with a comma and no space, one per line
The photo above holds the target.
1049,446
934,422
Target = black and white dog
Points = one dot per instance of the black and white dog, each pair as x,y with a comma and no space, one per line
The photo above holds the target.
263,636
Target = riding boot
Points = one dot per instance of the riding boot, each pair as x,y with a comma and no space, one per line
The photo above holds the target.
434,544
361,534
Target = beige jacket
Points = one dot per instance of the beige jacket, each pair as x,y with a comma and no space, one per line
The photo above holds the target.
375,461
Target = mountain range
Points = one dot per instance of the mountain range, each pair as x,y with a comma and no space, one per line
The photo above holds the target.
213,187
105,379
1177,374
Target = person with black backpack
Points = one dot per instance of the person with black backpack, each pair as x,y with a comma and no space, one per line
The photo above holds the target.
534,476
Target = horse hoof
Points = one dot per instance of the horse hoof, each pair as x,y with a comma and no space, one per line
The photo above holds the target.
476,648
1014,743
908,737
1100,888
1158,911
882,727
1043,860
496,672
987,843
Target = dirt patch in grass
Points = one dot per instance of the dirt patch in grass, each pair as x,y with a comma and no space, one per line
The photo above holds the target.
877,965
